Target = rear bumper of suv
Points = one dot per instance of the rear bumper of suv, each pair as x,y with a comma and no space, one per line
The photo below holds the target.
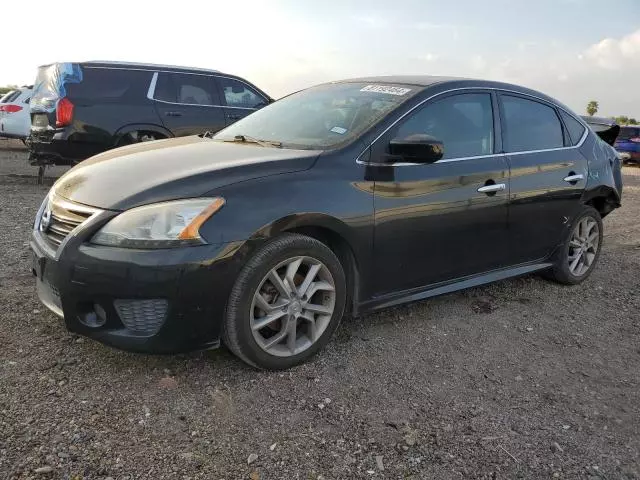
56,147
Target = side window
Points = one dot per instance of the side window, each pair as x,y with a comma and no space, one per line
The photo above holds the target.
464,123
26,100
575,128
186,89
530,125
238,94
110,85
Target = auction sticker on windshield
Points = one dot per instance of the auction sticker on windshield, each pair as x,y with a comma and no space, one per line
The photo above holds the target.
386,89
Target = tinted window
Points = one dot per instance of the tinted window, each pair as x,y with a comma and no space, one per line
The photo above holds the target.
110,85
628,132
464,123
186,88
575,128
11,96
530,125
5,97
238,94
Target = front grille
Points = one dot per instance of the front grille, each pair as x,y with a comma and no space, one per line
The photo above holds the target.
60,217
143,317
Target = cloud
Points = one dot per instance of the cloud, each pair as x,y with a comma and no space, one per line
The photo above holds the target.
615,54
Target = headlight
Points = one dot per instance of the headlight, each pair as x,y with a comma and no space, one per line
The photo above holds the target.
160,225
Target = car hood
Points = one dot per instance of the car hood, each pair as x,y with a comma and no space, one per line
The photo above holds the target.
171,169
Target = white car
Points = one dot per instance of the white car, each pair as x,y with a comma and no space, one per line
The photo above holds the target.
15,119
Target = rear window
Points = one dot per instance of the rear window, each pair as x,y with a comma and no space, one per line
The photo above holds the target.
530,125
11,96
5,97
575,128
101,85
628,132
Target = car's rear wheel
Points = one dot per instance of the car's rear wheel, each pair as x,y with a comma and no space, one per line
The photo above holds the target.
286,303
579,254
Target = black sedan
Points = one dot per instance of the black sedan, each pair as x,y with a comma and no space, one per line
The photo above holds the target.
338,200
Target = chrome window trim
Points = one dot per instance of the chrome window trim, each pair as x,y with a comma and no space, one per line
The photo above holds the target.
495,89
152,86
154,80
444,160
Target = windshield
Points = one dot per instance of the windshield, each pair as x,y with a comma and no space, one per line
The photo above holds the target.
322,117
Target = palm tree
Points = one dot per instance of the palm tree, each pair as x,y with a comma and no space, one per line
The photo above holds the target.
592,108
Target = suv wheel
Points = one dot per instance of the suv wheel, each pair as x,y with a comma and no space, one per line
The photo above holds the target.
286,303
138,136
579,253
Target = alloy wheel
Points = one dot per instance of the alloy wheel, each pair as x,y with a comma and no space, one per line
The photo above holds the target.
583,246
292,306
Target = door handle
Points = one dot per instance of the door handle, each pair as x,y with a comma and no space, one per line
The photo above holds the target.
234,117
173,114
496,187
574,178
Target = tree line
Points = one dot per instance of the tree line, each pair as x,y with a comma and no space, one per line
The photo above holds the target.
592,109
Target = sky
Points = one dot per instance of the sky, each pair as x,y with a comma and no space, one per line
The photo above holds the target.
573,50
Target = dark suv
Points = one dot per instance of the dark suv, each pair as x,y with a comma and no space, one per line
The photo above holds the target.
81,109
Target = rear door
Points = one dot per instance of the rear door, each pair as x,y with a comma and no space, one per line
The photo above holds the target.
548,175
238,98
188,103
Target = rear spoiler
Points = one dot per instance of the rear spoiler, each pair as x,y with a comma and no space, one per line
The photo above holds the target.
606,128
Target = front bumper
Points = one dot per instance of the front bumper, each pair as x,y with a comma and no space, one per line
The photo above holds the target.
153,301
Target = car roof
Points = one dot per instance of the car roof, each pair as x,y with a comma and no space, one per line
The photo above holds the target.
427,81
140,66
416,80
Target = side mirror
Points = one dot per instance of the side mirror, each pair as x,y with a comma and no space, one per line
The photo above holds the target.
418,148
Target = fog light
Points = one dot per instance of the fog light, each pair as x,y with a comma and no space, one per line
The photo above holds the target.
94,318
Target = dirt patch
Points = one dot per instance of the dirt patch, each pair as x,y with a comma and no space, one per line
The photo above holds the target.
519,379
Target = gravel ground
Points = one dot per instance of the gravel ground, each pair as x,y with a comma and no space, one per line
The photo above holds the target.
520,379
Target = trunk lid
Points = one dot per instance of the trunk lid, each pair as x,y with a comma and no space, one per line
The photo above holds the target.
606,128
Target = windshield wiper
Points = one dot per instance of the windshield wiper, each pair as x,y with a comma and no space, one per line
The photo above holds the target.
248,139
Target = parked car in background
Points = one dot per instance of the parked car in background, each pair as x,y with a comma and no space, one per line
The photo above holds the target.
81,109
347,197
15,121
628,143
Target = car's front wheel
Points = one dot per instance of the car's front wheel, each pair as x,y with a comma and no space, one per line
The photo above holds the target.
579,253
286,303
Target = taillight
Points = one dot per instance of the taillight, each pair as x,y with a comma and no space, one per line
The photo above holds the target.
635,139
64,112
10,108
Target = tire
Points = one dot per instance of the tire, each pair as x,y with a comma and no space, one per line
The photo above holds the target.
254,286
562,271
137,137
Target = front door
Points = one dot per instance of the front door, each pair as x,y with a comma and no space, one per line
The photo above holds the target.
188,104
446,220
548,174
